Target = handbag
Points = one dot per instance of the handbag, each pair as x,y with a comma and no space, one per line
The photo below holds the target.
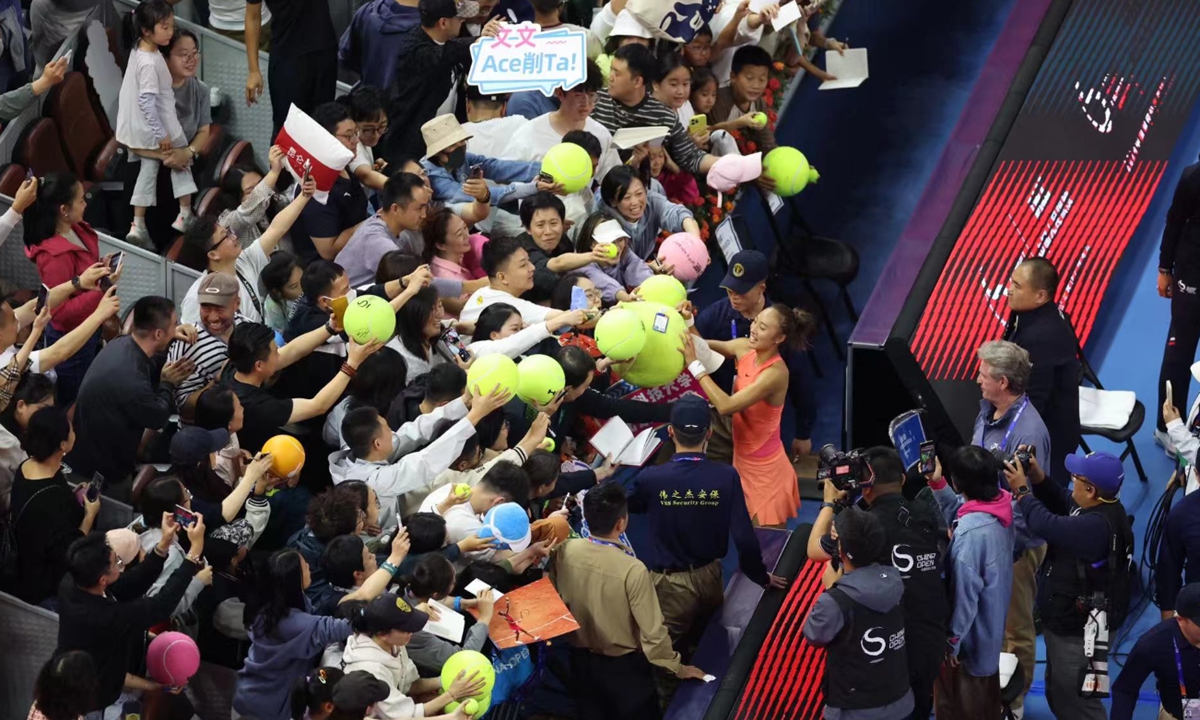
674,20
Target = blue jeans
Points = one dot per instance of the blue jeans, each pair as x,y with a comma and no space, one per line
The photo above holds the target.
71,371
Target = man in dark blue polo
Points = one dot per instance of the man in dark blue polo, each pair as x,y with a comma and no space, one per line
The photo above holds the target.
745,285
693,505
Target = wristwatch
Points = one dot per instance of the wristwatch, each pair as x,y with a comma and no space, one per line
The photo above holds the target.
1023,491
831,506
76,283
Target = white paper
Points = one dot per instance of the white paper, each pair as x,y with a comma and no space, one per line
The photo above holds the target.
849,69
727,239
629,137
477,586
710,678
612,438
788,14
449,625
616,441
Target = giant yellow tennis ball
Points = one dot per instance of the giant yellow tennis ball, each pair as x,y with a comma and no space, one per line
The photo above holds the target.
790,170
540,379
620,334
569,165
661,360
370,318
469,661
287,455
491,370
663,289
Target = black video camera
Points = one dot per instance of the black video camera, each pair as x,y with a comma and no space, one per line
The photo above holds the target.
848,471
1023,456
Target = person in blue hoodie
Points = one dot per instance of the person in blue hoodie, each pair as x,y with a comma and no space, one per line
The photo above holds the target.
980,568
859,620
286,637
368,47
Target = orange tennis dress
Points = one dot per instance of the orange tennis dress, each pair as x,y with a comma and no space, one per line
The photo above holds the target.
759,456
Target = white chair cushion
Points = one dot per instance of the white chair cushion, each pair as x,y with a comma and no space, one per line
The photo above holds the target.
1105,409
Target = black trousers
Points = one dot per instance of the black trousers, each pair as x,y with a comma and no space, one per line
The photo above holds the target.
924,666
613,688
305,79
1180,353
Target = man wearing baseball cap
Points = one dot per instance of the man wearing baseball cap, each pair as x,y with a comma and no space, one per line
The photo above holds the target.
745,286
1090,549
357,692
693,506
1171,652
218,297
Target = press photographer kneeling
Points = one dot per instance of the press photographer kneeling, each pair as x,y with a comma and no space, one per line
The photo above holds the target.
1085,578
915,544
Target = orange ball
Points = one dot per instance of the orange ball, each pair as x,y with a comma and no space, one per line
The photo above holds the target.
287,455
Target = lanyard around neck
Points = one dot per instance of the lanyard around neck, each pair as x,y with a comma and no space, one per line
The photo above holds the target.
1013,424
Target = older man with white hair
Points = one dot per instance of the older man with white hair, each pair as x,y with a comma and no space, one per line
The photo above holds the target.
1007,421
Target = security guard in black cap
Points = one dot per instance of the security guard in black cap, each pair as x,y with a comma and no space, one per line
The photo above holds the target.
694,505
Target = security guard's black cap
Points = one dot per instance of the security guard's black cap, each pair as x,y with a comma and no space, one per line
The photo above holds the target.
690,414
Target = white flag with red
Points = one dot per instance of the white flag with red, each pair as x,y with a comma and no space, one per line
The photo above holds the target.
310,148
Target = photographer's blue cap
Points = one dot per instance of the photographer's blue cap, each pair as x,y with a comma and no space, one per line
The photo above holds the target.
690,414
192,444
1101,469
747,269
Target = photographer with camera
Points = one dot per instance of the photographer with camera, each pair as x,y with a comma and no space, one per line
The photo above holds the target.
1008,421
910,528
1085,577
860,623
979,565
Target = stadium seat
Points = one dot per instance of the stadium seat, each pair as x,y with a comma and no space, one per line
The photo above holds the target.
40,148
239,153
87,143
11,177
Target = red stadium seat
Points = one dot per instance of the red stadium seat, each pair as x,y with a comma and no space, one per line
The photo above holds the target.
87,142
11,177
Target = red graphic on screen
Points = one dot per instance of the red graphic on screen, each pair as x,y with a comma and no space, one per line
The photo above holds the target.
788,674
1079,214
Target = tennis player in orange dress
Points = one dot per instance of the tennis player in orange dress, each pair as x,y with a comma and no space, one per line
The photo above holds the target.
759,392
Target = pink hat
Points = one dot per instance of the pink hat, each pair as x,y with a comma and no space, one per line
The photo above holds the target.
733,170
124,542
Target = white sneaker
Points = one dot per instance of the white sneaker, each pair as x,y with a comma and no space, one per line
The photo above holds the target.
139,237
1163,439
181,223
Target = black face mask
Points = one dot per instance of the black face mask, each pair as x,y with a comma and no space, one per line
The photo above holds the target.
455,159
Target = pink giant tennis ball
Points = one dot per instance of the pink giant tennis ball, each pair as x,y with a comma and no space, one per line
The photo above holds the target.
173,659
687,253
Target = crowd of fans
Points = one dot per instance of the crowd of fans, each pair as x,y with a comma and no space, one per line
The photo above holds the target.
316,584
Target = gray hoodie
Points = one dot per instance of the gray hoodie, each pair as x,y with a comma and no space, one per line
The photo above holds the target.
407,473
879,588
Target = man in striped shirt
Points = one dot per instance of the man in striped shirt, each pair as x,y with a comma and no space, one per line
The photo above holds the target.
219,305
627,103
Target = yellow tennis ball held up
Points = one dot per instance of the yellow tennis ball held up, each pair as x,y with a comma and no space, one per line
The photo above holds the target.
620,334
790,170
540,379
663,289
490,371
370,318
569,165
660,361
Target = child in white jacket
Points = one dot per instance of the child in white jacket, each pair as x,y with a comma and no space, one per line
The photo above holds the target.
381,630
147,122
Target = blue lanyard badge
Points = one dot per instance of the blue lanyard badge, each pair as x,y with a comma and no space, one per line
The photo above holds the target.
1013,424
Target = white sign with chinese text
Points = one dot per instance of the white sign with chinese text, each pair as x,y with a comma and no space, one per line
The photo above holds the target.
522,57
